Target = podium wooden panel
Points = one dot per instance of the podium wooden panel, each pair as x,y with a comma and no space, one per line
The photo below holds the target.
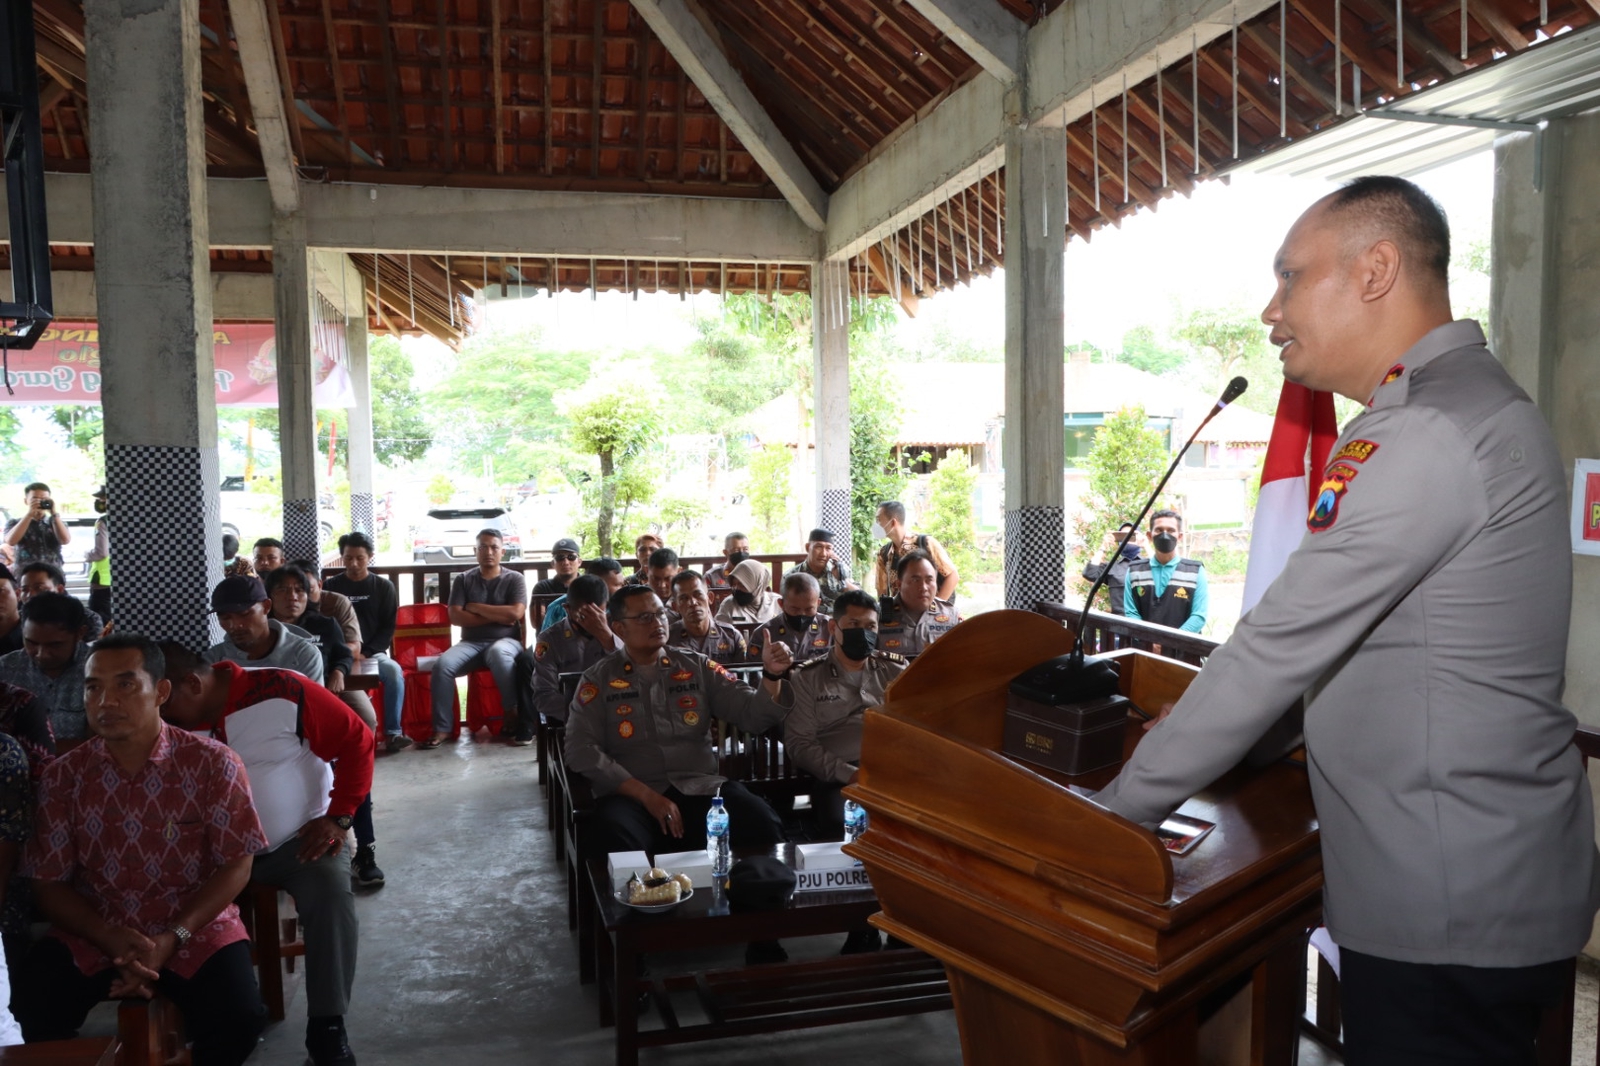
1069,934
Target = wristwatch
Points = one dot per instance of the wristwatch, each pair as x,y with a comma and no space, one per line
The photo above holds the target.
182,934
344,821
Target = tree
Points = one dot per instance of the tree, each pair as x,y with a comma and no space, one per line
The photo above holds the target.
950,519
1141,351
1232,341
84,426
770,488
876,474
1125,460
10,450
399,432
614,421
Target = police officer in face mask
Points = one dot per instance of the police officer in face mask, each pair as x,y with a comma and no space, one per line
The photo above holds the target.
1117,561
801,626
826,698
1166,589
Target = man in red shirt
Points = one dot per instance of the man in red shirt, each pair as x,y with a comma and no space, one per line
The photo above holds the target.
144,836
310,762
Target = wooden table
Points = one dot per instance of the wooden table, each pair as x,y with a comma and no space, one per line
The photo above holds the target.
760,999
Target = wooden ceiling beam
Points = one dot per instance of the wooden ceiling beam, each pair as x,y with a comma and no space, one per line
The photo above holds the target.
332,44
391,83
446,115
1504,32
883,271
870,38
1255,95
598,89
1300,70
545,162
1353,41
1418,36
1176,134
252,31
930,46
642,97
707,64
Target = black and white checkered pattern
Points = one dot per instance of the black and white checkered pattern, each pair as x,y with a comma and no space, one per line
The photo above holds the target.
834,516
301,539
166,541
361,515
1036,560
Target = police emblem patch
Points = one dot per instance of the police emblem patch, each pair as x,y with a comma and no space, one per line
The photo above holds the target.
688,702
819,643
540,650
891,644
618,682
682,675
1394,373
1357,451
625,709
624,730
587,693
1335,483
691,717
1181,594
941,618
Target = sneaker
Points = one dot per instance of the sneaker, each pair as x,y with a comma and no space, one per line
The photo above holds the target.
520,739
326,1042
398,742
364,867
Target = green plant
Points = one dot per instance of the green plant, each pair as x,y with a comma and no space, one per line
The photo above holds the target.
950,517
875,473
615,421
1125,460
771,490
440,488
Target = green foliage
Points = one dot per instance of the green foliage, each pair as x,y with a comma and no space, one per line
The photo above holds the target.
615,420
1226,560
441,487
84,426
1081,348
1142,351
1229,341
950,518
1126,459
399,432
770,487
10,450
875,474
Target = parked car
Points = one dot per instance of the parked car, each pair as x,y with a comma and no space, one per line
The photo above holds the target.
73,563
249,515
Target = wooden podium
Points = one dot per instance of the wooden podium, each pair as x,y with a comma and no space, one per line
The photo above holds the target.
1069,934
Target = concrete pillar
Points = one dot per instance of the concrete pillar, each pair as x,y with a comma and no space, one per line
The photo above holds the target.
1034,447
297,417
1545,326
359,438
153,282
830,376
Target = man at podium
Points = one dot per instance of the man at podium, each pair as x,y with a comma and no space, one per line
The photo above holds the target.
1456,824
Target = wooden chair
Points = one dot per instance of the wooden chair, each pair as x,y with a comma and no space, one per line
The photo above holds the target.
420,629
275,942
150,1033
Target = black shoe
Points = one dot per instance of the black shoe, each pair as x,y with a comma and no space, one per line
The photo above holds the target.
761,952
364,867
326,1043
861,941
521,738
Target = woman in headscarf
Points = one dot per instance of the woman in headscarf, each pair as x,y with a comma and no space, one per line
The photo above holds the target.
753,601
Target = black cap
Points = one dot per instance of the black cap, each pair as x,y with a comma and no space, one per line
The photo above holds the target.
566,544
760,883
235,594
603,565
822,536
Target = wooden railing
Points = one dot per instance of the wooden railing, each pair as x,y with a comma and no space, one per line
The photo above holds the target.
421,582
1109,632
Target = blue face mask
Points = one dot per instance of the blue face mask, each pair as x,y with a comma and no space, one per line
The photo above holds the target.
1131,552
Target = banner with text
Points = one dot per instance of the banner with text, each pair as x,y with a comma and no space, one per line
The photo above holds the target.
64,367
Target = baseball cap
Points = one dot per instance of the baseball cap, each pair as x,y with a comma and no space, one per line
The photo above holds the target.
236,594
603,565
565,544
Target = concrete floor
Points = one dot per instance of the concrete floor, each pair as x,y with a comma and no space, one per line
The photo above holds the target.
466,956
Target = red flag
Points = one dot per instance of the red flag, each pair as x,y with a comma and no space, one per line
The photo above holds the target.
1304,429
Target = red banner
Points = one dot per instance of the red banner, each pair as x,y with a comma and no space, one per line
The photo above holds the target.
64,367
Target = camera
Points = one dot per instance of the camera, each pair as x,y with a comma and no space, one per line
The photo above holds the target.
47,505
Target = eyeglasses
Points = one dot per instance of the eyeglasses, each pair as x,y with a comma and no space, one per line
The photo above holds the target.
564,557
648,616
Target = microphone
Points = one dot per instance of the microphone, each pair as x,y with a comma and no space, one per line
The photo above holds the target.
1096,678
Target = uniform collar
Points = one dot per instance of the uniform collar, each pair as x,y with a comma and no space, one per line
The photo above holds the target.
1441,340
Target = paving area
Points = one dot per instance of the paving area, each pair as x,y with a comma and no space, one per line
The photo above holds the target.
466,957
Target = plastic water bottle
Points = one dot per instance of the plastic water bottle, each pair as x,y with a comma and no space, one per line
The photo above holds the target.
717,842
855,820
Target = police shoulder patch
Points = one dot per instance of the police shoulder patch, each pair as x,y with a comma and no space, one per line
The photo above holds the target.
889,656
540,650
1335,483
1357,451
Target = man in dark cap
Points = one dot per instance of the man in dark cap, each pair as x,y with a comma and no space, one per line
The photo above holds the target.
605,568
831,572
564,557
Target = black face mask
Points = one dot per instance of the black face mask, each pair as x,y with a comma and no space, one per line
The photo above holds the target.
1131,552
1164,542
800,623
743,598
857,644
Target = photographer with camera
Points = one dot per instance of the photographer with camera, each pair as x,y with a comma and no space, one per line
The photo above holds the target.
39,534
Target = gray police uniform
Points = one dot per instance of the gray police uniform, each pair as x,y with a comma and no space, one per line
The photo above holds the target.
654,724
722,642
823,728
906,633
1456,820
834,580
565,649
803,644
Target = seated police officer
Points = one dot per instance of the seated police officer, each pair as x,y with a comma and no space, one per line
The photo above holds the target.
1166,589
914,617
639,731
695,629
799,627
581,639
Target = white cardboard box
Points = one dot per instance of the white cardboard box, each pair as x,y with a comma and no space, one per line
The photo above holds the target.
623,865
697,864
828,856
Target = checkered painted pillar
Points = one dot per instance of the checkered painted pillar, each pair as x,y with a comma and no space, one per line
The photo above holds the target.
153,295
297,417
830,349
301,537
1034,444
362,516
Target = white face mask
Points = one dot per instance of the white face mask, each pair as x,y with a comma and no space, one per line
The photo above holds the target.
878,532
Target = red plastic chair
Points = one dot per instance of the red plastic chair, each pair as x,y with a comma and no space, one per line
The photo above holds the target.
421,629
485,709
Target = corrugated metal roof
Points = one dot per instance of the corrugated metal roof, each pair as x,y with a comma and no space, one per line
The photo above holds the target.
1558,77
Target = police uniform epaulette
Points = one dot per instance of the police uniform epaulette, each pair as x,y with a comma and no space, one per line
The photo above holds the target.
810,663
889,656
